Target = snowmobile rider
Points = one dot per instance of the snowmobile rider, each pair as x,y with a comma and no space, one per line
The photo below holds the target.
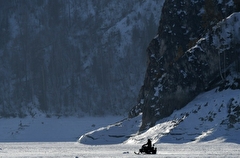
148,148
148,144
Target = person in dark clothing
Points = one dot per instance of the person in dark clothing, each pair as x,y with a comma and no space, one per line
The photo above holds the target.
148,144
148,148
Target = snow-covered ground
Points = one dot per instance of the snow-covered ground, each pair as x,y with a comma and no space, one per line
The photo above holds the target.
57,137
210,116
73,149
201,129
54,129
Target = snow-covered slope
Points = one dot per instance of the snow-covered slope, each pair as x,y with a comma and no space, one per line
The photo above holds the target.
197,42
208,117
112,134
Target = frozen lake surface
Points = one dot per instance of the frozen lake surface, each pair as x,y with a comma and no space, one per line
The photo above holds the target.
74,149
57,137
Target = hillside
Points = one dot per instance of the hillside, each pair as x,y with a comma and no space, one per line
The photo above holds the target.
196,45
211,116
73,57
81,58
194,98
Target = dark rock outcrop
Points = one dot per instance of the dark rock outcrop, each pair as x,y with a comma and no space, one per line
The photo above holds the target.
190,54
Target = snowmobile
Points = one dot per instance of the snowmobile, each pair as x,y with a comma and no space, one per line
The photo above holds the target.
147,149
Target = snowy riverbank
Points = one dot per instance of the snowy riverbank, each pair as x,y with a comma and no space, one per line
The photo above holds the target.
54,129
57,137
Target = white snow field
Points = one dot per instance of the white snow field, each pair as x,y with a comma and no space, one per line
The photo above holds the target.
74,149
201,129
57,137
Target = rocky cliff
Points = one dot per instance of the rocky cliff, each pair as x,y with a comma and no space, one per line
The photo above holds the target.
192,52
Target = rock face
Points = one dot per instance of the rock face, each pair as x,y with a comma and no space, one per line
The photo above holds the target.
190,54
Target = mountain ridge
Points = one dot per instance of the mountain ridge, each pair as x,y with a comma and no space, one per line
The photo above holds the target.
207,74
183,58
